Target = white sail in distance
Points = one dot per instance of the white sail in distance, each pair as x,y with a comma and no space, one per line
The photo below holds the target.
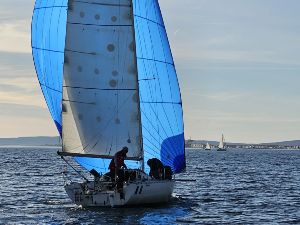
100,92
207,146
222,144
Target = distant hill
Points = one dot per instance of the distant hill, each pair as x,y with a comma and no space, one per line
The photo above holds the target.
55,141
30,141
285,143
210,142
281,143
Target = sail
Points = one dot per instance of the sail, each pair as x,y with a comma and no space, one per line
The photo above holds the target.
48,43
221,144
160,100
207,146
109,79
100,110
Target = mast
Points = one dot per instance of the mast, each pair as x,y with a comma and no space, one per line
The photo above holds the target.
138,88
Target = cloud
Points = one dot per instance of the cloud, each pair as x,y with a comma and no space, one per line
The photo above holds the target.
217,96
29,125
16,10
14,38
21,99
21,110
242,117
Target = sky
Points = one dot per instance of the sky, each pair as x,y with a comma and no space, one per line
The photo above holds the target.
238,64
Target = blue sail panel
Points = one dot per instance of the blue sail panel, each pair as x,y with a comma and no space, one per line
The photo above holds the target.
160,99
101,165
48,41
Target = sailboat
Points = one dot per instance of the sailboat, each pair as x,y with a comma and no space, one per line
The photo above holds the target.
207,147
222,145
107,74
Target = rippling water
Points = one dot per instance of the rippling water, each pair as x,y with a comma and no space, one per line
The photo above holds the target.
233,187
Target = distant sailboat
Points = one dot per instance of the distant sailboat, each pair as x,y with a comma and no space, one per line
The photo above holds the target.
207,147
222,145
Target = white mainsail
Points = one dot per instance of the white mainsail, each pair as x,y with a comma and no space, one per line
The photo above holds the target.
222,144
207,147
100,92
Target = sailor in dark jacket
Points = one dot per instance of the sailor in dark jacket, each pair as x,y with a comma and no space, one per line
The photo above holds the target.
156,168
117,166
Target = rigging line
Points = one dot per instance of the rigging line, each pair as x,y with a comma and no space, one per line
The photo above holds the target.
150,133
75,169
173,154
149,153
171,145
80,52
174,103
100,25
49,7
102,4
86,103
141,17
147,79
48,50
156,147
156,60
50,88
156,154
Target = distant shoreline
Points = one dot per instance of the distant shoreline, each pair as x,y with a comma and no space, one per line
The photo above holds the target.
245,149
30,146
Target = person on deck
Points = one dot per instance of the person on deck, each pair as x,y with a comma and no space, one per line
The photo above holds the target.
156,168
117,166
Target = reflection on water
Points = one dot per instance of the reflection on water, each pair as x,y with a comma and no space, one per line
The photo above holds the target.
233,187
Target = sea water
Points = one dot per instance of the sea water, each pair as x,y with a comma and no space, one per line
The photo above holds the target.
233,187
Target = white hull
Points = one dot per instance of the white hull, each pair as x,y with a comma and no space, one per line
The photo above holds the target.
138,192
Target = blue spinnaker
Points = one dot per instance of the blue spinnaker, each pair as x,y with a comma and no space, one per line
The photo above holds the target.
48,43
160,100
